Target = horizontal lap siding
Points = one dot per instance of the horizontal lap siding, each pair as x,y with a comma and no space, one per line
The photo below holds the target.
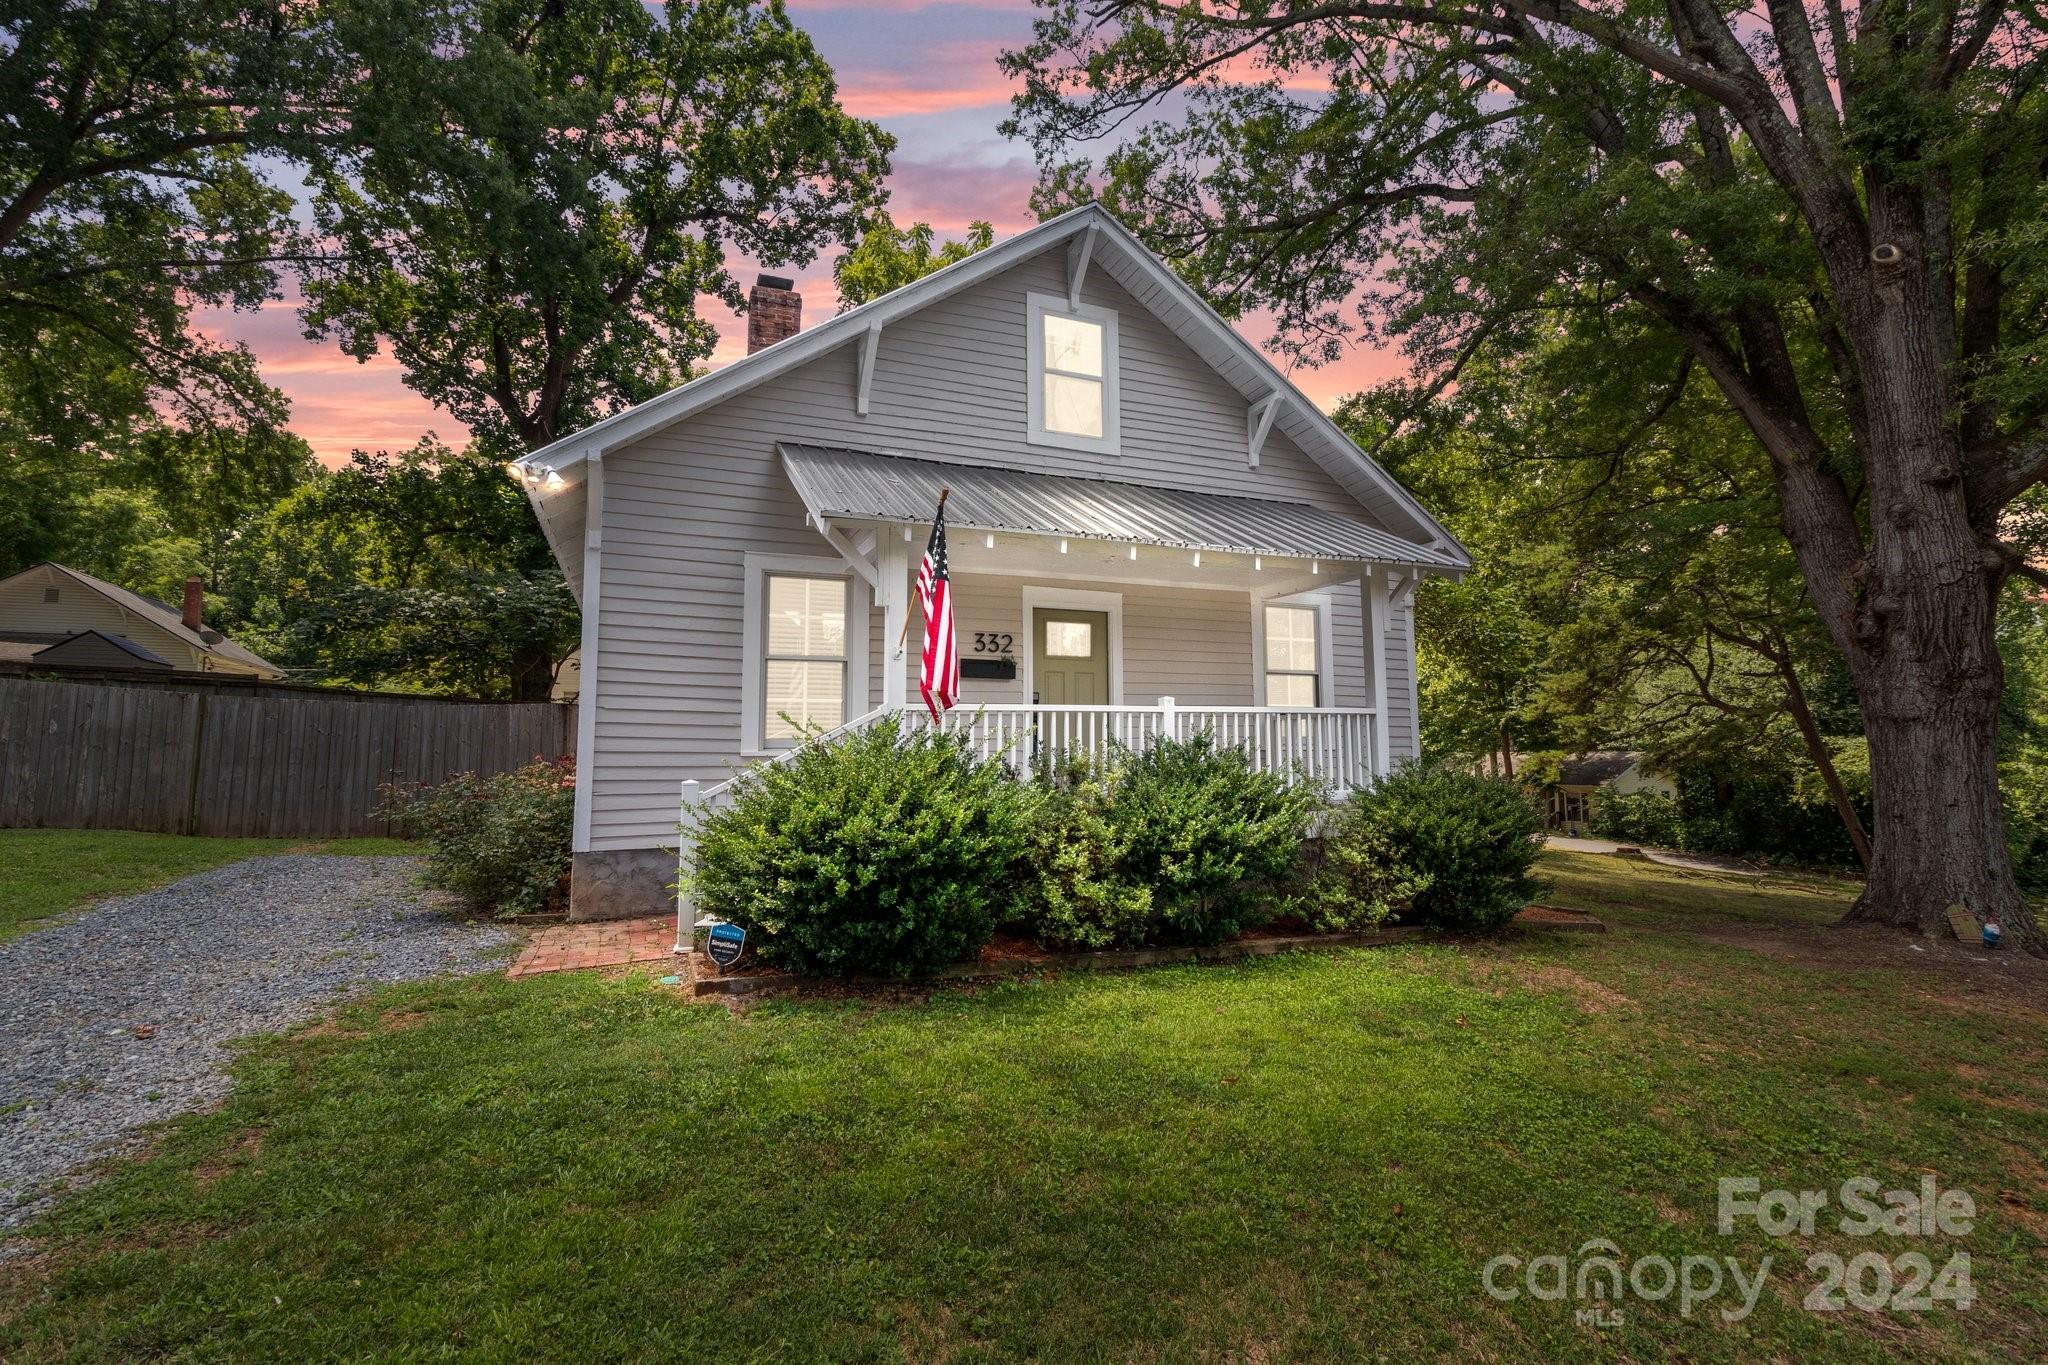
1401,731
1193,646
1348,656
684,505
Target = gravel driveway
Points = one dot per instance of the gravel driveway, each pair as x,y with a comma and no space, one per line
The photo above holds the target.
119,1016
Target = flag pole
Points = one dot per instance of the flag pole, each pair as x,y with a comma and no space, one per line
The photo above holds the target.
904,634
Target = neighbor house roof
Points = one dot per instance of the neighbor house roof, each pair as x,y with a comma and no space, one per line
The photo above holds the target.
1594,769
865,485
98,649
161,615
1108,242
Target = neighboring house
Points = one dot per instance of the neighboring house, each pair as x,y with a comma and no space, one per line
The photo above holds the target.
57,618
1581,779
568,678
1151,530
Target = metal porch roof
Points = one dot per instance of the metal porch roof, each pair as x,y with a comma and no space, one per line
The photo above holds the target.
865,485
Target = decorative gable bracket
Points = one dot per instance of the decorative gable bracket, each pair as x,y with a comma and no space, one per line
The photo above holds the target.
870,342
1258,421
1078,252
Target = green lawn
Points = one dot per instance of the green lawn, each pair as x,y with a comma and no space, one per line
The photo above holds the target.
1302,1157
45,872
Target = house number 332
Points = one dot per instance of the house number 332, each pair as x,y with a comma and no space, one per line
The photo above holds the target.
993,641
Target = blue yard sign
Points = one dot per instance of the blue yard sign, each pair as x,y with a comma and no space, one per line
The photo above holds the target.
725,942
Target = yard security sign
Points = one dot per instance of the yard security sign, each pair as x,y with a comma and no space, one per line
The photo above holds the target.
725,942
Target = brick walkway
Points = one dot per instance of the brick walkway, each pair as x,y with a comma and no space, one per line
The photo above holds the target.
607,943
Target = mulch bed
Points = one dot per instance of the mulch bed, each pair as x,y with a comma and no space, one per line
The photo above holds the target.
1010,955
1558,917
1013,956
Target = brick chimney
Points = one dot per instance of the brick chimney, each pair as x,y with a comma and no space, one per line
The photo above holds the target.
194,601
775,312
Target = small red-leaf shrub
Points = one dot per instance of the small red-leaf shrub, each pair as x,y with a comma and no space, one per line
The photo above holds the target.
501,842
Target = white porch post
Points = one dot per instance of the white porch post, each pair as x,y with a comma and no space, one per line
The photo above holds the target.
893,556
1168,719
1375,591
686,851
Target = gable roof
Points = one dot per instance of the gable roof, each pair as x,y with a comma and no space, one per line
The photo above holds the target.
1595,769
159,614
91,648
1120,254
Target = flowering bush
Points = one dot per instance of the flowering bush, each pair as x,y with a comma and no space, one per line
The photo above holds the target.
501,842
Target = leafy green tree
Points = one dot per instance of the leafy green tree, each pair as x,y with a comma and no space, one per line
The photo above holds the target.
422,571
888,257
1828,210
1636,546
128,196
537,191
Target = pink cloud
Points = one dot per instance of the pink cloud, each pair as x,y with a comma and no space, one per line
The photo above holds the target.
948,76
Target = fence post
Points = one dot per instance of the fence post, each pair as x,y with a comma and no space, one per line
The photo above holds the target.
1167,715
686,849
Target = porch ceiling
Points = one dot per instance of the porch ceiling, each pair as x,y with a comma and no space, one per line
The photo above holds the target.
853,486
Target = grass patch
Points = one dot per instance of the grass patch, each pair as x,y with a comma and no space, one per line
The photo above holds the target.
47,872
1311,1156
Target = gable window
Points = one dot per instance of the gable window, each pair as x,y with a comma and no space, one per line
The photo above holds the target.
1293,656
803,670
1073,375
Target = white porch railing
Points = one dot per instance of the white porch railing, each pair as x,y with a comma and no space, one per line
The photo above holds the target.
1335,748
1331,747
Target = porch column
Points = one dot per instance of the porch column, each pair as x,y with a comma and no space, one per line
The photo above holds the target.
892,558
1375,592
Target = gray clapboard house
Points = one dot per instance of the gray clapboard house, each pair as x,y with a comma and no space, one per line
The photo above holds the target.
1151,531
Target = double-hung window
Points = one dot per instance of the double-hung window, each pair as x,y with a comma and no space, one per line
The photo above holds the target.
803,667
1293,656
1073,375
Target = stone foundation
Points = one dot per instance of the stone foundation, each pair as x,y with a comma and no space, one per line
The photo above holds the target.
622,883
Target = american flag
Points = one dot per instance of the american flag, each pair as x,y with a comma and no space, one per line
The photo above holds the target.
939,676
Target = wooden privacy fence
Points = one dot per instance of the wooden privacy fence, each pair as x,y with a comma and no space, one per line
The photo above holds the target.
170,760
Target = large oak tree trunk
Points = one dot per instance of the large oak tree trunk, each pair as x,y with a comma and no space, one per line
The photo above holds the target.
1940,833
1918,624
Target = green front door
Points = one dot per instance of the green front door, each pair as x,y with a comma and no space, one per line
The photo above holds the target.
1070,657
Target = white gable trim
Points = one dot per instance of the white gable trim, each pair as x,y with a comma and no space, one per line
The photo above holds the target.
1194,322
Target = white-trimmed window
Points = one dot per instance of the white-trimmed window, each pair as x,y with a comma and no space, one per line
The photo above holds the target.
1293,662
1073,364
806,663
803,668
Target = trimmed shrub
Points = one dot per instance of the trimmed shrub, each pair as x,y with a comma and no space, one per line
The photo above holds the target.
879,852
1213,839
501,843
1077,895
1475,839
1359,880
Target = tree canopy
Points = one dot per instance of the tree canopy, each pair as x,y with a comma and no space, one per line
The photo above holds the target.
417,571
1827,212
888,257
537,193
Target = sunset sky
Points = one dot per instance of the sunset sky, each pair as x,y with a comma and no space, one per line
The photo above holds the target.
926,72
